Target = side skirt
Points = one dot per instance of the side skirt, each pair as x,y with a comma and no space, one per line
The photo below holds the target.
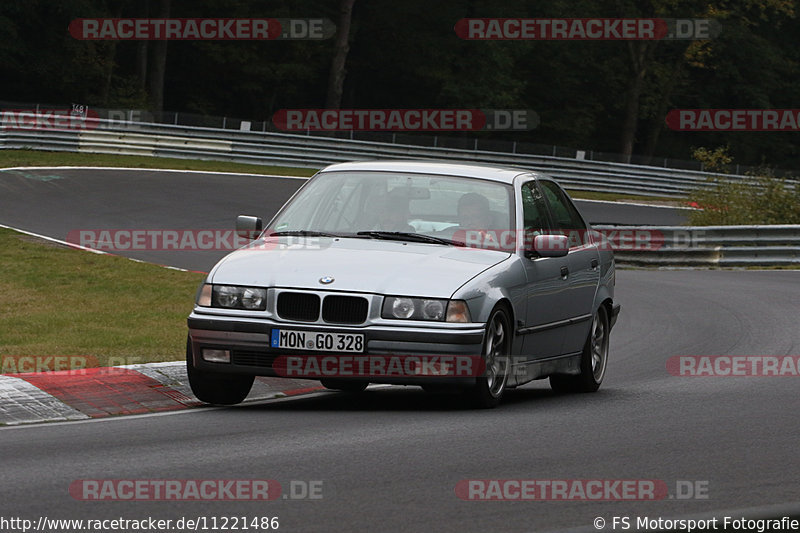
526,371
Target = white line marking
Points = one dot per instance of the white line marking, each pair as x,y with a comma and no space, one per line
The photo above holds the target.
57,241
85,249
622,202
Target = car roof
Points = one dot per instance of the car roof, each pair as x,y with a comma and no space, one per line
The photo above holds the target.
487,172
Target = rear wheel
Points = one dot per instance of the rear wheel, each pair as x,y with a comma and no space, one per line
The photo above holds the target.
489,388
215,387
344,385
593,359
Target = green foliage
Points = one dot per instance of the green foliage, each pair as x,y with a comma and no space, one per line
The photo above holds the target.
715,160
406,55
760,200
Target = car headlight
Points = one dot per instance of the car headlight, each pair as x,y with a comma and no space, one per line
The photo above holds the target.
406,308
233,297
402,308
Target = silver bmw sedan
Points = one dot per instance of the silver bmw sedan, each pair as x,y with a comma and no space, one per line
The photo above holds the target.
464,278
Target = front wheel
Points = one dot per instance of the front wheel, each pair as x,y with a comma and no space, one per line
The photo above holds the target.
489,388
593,359
216,388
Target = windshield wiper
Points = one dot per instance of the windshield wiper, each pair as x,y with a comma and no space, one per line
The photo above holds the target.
303,233
410,237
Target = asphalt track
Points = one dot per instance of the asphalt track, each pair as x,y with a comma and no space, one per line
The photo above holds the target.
54,202
390,460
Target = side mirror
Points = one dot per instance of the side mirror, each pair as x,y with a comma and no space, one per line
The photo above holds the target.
551,245
248,227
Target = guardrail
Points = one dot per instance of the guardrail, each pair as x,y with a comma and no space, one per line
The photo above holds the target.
705,246
163,140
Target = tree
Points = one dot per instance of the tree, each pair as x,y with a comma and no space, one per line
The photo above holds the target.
338,64
159,63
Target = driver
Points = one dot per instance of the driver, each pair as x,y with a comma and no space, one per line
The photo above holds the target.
474,212
395,213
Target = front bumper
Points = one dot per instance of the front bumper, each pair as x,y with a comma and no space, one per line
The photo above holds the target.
248,340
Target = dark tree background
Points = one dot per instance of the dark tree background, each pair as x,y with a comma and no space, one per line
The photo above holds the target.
609,96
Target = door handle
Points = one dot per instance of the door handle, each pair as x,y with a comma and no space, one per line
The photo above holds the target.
594,264
564,272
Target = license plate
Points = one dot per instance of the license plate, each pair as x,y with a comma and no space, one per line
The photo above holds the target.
317,341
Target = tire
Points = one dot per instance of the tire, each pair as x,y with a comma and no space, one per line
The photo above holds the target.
345,385
594,359
489,388
215,387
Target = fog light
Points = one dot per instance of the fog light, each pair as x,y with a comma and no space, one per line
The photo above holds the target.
216,356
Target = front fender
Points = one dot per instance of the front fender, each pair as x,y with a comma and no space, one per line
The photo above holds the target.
503,281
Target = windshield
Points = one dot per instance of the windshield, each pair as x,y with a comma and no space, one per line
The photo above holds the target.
348,203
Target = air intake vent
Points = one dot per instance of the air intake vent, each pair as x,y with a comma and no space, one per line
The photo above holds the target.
345,309
298,306
264,360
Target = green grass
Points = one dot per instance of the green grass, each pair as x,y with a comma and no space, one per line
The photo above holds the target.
39,158
613,196
59,301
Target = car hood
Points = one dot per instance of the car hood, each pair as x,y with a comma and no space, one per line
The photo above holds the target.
365,265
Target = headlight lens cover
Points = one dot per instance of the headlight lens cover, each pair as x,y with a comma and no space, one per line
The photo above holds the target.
233,297
254,298
407,308
403,308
